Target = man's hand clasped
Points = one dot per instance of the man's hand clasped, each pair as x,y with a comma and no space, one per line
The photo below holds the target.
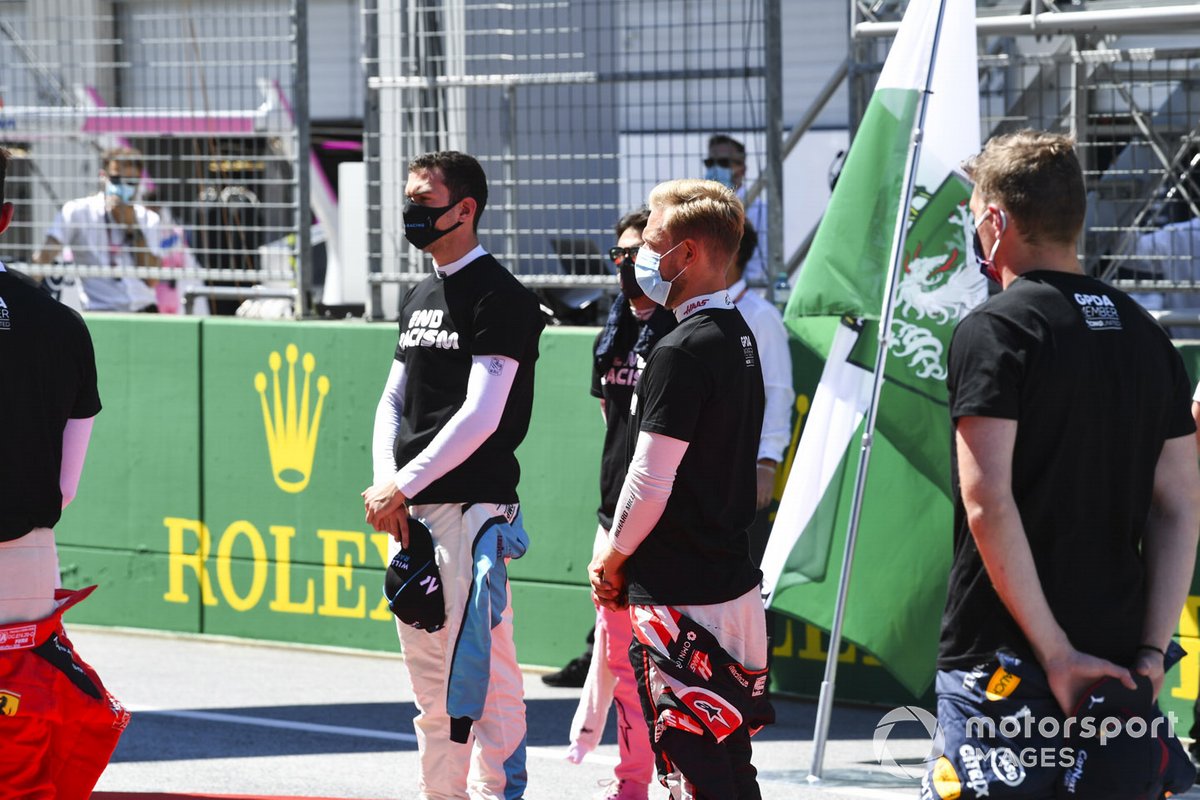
387,510
608,580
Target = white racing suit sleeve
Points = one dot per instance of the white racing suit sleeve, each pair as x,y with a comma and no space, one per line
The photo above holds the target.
76,435
387,424
647,487
488,385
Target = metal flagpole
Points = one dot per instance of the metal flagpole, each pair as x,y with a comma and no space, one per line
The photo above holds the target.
900,235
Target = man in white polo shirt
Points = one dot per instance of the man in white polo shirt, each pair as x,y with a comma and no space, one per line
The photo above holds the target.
108,229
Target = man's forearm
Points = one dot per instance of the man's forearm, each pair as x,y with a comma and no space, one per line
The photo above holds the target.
1169,540
985,446
1004,548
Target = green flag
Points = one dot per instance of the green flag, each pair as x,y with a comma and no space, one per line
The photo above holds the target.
903,550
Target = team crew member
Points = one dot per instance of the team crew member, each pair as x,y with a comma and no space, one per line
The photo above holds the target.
766,323
635,325
1077,496
455,407
678,552
109,229
58,724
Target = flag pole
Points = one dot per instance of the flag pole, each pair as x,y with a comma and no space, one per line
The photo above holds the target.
899,237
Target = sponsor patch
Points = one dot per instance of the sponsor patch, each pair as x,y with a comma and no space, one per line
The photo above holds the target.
1007,768
1071,777
945,780
1002,684
972,761
495,366
670,718
18,637
9,702
718,716
701,665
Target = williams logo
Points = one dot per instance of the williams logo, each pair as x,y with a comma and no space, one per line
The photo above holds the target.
291,436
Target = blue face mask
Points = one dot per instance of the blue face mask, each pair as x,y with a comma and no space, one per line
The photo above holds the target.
649,279
123,190
723,175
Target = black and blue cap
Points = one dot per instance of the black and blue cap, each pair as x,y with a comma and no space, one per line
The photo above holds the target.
413,583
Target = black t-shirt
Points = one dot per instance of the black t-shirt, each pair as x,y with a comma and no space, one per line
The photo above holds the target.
1095,386
615,385
49,376
480,310
703,385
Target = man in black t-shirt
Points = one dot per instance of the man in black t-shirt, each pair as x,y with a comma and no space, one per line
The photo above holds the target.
1077,497
60,724
678,552
634,326
455,408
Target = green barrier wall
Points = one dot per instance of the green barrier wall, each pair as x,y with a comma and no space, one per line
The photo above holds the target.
191,521
193,517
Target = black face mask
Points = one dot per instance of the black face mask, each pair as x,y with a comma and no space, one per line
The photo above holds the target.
629,284
419,222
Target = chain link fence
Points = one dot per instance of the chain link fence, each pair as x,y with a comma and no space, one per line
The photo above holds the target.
1133,104
206,91
575,111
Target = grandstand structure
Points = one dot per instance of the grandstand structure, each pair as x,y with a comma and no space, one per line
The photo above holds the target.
277,132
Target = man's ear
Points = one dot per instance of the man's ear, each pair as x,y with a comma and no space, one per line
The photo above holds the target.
6,215
471,207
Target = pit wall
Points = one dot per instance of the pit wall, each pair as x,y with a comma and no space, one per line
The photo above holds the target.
204,509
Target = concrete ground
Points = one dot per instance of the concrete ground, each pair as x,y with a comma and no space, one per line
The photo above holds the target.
227,717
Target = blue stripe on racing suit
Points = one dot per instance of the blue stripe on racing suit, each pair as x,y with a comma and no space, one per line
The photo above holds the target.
498,538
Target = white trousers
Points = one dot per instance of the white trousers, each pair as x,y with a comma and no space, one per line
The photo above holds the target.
481,768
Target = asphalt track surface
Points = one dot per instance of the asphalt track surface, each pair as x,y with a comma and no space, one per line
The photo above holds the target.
247,720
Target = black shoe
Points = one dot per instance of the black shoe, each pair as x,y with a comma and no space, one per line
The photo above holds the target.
572,675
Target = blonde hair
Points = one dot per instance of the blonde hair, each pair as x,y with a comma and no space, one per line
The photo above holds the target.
1036,176
704,210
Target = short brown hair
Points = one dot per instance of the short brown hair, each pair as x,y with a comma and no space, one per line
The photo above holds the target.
704,210
636,219
125,155
461,173
1036,176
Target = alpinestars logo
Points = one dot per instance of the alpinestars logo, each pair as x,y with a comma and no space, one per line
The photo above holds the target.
5,320
291,434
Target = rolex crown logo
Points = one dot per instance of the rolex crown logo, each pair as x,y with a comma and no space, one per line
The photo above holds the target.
291,435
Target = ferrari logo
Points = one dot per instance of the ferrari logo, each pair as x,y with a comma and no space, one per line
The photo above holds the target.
9,703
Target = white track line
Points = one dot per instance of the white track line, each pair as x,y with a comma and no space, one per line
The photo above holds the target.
550,753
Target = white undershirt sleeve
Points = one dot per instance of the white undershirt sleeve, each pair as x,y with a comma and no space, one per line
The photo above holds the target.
76,435
387,424
647,487
488,385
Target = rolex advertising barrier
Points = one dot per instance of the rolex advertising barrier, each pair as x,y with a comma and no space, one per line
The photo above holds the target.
221,496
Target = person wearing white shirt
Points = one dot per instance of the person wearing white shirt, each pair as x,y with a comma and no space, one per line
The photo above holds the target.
767,325
108,229
726,163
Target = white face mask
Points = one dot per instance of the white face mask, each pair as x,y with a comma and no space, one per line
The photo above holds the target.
123,188
649,279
